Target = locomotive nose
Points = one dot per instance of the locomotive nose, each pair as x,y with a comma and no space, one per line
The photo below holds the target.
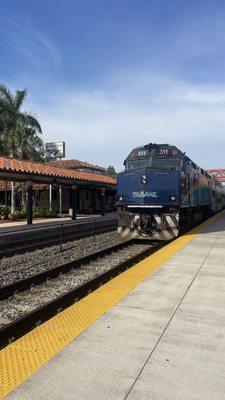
148,187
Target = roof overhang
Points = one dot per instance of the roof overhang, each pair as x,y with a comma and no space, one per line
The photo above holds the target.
23,171
32,178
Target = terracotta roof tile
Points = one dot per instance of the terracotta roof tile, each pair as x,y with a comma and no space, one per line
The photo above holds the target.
75,164
39,169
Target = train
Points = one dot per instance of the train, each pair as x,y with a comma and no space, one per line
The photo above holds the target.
162,191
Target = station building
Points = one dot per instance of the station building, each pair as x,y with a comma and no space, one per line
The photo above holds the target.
58,197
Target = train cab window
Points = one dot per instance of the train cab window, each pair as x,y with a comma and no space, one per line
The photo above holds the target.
169,162
157,162
144,163
137,164
130,165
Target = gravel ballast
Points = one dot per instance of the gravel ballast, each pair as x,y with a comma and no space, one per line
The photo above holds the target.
22,303
24,265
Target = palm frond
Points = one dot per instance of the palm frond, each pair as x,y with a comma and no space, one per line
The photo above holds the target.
19,130
6,94
32,121
19,98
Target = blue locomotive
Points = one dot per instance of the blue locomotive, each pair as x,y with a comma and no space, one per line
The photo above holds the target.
161,191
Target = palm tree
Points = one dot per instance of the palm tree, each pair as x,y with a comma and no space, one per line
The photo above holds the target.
19,133
19,129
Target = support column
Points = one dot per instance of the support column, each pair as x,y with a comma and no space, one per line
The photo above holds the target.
29,203
6,194
12,197
60,200
92,200
74,203
50,197
102,202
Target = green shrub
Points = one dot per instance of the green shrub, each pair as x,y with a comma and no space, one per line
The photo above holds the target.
49,214
19,214
23,213
38,212
16,214
4,212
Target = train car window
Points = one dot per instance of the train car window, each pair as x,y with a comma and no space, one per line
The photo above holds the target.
169,162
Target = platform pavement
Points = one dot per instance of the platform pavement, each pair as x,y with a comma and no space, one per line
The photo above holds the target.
164,341
42,222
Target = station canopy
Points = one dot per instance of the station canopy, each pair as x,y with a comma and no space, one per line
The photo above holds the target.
20,170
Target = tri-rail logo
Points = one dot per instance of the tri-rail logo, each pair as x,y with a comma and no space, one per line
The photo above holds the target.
144,194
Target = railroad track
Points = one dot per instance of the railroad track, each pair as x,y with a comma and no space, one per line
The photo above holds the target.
24,284
95,266
20,241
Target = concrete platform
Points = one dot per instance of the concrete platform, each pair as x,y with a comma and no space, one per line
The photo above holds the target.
50,231
164,341
13,226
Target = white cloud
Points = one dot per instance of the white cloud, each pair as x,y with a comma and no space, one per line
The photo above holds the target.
103,126
36,46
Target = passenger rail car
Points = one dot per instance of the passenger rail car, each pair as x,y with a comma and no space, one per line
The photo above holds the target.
162,191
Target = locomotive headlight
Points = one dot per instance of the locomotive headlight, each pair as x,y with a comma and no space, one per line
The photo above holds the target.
120,198
144,179
173,197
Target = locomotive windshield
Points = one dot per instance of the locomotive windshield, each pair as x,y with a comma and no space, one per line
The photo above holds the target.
155,156
142,163
157,162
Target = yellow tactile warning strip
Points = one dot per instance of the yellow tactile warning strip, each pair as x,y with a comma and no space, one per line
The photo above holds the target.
23,357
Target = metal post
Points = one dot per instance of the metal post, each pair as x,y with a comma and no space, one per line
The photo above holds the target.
102,202
60,200
29,204
50,197
74,203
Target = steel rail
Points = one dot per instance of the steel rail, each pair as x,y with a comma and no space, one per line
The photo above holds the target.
20,326
26,283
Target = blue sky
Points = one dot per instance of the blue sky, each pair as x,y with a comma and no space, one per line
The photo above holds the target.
106,76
